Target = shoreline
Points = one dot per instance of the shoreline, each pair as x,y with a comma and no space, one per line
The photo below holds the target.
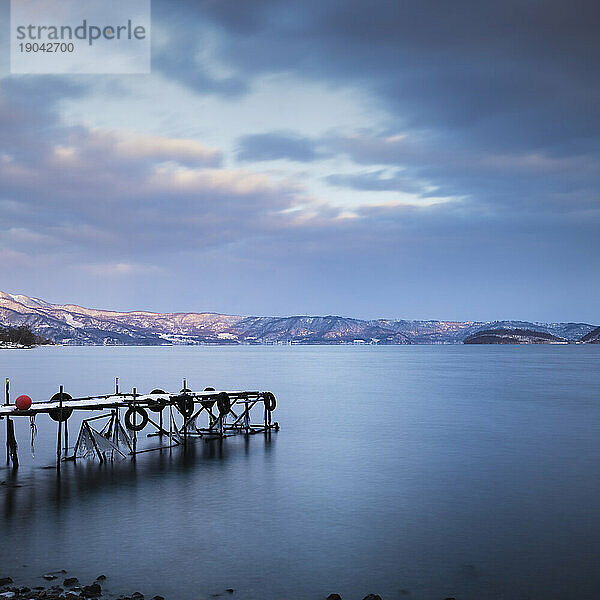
60,585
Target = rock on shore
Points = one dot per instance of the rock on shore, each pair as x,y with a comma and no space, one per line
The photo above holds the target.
73,591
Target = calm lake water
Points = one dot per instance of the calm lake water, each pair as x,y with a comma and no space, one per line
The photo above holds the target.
411,471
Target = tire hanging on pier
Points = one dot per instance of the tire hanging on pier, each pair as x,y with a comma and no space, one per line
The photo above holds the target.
60,415
159,404
185,403
223,403
129,423
270,401
208,403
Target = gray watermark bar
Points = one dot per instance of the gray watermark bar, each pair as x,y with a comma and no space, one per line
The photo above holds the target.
80,36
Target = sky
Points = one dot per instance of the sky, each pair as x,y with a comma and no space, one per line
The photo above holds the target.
409,160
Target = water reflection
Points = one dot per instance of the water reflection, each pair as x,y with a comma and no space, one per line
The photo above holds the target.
22,491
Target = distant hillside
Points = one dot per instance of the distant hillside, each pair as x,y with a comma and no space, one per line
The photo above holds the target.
593,337
318,330
76,325
513,336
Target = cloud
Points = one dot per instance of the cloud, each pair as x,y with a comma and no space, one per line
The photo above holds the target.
493,181
376,181
118,269
513,74
133,146
501,107
108,197
28,123
15,258
181,53
275,146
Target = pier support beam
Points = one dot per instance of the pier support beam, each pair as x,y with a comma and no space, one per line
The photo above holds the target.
59,440
134,423
6,403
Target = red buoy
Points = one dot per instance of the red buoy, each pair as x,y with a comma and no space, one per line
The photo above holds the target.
23,402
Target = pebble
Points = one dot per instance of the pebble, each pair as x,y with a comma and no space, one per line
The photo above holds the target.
90,591
334,597
71,582
5,580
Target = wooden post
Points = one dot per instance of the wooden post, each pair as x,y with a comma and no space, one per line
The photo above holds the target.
170,428
117,422
266,411
59,441
113,432
134,423
7,402
13,444
184,431
184,417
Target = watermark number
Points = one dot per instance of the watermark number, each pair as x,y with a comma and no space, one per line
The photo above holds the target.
47,47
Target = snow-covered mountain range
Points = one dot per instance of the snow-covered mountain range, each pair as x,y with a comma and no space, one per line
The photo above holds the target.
76,325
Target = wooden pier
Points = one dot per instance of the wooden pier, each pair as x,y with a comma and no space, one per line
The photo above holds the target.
210,415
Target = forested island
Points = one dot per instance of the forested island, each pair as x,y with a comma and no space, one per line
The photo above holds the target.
20,337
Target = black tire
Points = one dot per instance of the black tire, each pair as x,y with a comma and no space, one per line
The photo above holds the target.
208,402
128,418
223,403
158,405
185,405
57,414
270,401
